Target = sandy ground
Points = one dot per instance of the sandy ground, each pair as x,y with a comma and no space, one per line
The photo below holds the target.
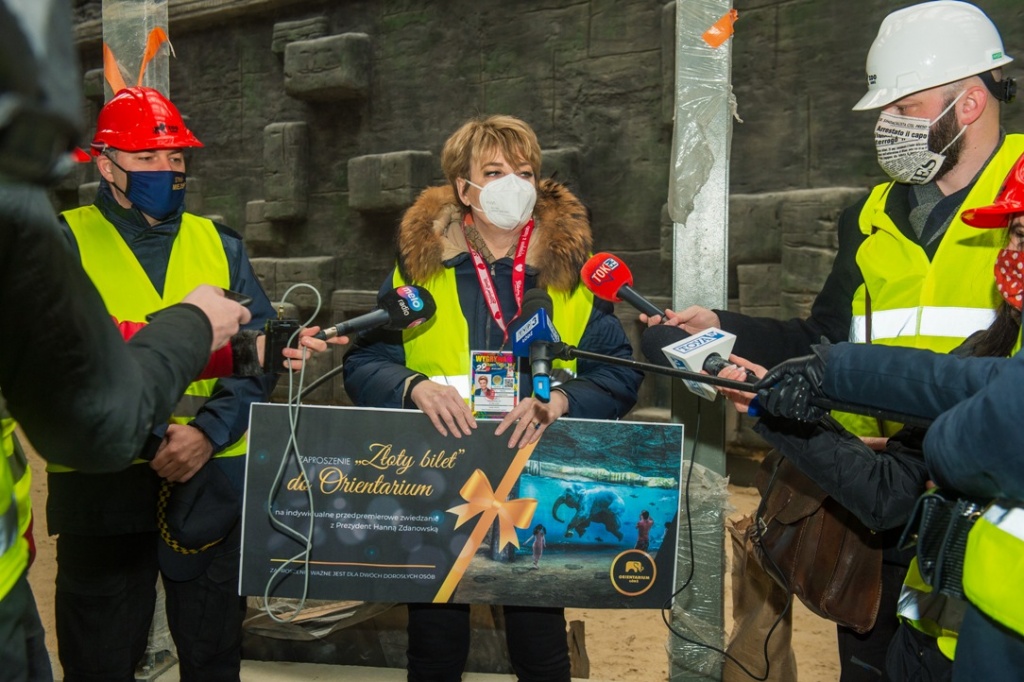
627,645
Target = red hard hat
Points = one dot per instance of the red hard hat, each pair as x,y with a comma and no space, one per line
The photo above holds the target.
141,118
1008,203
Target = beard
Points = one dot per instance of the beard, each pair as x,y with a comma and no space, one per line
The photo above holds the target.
943,132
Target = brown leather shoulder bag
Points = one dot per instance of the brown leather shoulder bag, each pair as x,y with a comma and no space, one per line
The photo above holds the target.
815,548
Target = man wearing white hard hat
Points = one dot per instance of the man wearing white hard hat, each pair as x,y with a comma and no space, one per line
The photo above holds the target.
908,271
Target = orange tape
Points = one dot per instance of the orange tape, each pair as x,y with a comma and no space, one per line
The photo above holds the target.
111,71
721,30
156,38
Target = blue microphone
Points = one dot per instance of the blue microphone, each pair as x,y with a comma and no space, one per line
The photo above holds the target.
531,335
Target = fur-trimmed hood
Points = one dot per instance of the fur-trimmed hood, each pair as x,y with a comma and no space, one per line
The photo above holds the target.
430,235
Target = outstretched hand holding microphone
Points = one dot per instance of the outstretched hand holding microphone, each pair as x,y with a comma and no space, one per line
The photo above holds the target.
791,389
610,279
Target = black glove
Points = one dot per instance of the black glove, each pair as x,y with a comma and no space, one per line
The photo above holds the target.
787,390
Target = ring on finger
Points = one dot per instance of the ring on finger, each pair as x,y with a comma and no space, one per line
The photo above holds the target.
536,425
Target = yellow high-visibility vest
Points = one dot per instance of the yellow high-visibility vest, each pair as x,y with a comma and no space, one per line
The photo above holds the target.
994,564
13,519
921,303
439,348
197,257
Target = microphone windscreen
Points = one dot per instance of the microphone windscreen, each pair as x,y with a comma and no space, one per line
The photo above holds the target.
604,274
534,300
407,306
657,337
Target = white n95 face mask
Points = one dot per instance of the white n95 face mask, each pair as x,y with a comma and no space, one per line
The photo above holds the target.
507,202
901,143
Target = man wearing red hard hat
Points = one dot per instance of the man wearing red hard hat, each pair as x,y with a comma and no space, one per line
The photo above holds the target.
143,252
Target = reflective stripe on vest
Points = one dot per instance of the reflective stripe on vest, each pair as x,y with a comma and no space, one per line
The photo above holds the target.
955,322
440,348
934,614
921,303
994,565
13,545
197,257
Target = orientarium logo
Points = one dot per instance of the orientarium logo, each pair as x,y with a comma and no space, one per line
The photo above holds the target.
632,572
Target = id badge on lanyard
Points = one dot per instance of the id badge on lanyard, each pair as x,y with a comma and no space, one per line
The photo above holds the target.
494,374
495,383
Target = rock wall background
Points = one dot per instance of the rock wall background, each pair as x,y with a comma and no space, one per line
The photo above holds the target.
322,120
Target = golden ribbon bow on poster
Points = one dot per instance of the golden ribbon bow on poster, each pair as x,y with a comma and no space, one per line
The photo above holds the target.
482,501
480,497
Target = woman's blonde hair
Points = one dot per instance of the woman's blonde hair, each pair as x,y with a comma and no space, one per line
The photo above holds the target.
511,136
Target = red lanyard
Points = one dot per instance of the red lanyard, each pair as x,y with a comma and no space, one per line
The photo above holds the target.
518,276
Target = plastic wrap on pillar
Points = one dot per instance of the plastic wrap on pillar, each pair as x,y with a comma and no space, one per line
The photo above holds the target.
694,614
703,92
135,45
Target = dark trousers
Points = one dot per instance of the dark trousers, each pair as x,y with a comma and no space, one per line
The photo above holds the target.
23,656
439,642
915,657
986,650
105,599
862,657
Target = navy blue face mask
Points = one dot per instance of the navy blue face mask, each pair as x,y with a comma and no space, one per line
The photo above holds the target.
158,194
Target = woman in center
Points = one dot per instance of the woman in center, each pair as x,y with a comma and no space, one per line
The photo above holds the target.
477,245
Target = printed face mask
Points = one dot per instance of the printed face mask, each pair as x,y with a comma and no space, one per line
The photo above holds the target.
158,194
1009,272
901,143
507,202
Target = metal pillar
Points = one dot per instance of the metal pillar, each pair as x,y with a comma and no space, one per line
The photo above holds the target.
135,52
699,208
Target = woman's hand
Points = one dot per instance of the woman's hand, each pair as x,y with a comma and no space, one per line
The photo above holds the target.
445,407
295,357
738,372
531,417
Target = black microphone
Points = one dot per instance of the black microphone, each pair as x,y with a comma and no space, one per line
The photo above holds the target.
401,308
655,338
541,355
533,322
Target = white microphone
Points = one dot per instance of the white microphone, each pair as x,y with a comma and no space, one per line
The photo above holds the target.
694,353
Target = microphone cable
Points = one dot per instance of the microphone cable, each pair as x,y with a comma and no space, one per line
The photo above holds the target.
329,374
295,394
666,609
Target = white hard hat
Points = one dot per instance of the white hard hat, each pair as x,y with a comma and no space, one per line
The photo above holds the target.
927,45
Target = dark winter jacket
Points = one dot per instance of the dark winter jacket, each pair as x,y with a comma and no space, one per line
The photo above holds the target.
973,445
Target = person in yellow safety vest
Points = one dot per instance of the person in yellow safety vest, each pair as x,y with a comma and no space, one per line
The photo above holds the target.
15,557
878,488
907,272
143,252
972,446
481,246
920,604
83,396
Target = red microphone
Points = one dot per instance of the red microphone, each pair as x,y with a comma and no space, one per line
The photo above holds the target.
610,279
